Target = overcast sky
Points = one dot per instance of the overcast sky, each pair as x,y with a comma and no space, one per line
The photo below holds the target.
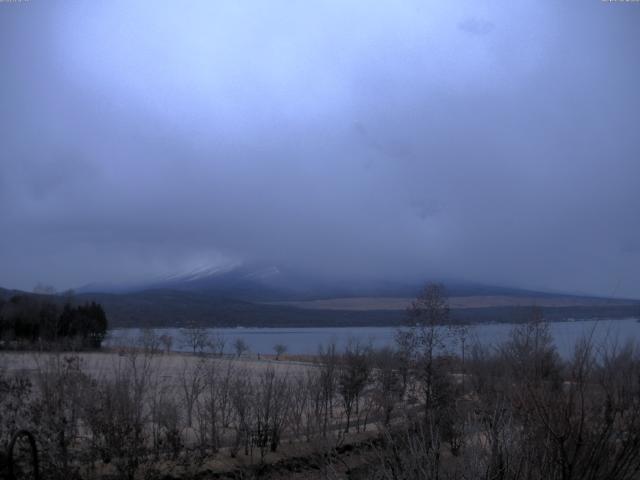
489,141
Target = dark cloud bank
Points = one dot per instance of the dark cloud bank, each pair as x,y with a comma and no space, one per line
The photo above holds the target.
487,141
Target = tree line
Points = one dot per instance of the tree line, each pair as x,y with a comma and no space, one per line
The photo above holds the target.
26,320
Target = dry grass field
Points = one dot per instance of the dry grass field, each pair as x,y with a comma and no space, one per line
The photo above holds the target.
481,301
171,367
191,415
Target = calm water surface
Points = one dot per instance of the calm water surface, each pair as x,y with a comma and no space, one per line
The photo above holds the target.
307,340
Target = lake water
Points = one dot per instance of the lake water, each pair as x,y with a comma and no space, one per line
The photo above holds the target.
307,340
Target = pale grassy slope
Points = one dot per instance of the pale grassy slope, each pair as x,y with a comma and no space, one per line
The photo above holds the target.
400,303
171,366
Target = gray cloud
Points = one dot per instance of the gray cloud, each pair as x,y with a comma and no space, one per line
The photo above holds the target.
346,138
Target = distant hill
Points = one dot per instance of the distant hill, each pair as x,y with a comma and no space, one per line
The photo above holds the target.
263,295
177,308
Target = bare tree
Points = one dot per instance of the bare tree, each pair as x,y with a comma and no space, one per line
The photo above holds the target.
217,343
168,419
61,382
426,337
280,349
116,415
242,396
240,346
327,383
216,406
195,338
389,383
272,400
423,342
300,405
530,350
192,385
352,378
149,341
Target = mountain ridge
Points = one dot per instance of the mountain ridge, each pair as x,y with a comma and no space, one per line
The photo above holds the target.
270,283
266,296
